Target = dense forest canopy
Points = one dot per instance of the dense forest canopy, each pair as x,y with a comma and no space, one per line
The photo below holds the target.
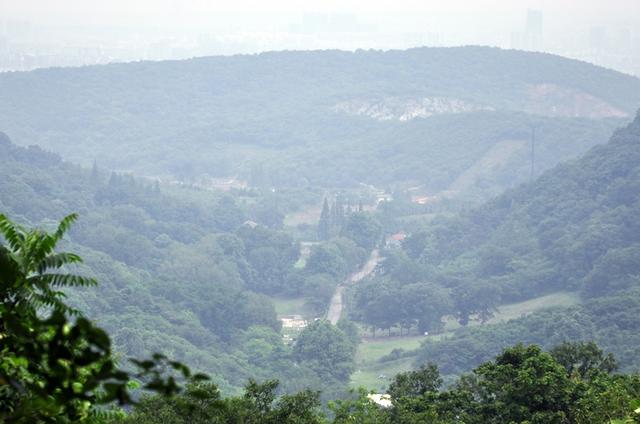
56,366
326,117
180,271
273,219
574,229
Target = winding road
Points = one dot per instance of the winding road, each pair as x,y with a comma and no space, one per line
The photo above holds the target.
335,307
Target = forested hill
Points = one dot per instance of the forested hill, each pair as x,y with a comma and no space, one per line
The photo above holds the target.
178,272
338,116
576,228
549,235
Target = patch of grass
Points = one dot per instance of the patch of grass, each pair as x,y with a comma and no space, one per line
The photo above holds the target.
377,376
374,375
310,216
371,350
288,306
516,310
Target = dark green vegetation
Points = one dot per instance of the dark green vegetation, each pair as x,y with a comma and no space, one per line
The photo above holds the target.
575,228
179,271
55,365
190,271
322,118
57,368
571,384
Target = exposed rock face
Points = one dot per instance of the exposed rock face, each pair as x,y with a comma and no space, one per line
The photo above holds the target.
541,99
554,100
406,109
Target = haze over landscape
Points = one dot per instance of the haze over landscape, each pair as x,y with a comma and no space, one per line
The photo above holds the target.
37,33
319,212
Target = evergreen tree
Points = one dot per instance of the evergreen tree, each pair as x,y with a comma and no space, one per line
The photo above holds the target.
95,174
324,225
114,180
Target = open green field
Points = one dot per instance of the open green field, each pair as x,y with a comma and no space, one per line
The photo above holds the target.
517,310
288,306
370,350
375,375
310,216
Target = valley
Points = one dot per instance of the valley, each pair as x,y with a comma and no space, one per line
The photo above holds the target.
300,224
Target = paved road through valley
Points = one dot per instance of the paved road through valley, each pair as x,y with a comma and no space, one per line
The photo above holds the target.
335,307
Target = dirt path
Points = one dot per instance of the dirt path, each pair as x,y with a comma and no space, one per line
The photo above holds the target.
335,307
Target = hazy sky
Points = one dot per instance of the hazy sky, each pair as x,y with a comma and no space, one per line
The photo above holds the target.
108,8
566,23
182,12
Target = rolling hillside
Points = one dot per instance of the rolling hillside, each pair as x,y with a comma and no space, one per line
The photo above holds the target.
421,116
574,228
178,272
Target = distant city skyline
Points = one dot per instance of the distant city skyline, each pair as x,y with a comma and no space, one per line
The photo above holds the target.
37,33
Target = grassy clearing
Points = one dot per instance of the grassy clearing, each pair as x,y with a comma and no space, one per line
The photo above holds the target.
375,375
310,216
517,310
378,376
288,306
371,350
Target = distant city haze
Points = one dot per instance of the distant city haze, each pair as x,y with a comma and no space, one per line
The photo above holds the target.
42,33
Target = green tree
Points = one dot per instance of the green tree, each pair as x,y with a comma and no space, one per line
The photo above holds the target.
326,350
583,358
202,404
52,368
324,225
364,229
523,384
357,408
415,383
479,299
426,304
326,258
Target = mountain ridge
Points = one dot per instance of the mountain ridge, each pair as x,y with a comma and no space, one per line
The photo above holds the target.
201,114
